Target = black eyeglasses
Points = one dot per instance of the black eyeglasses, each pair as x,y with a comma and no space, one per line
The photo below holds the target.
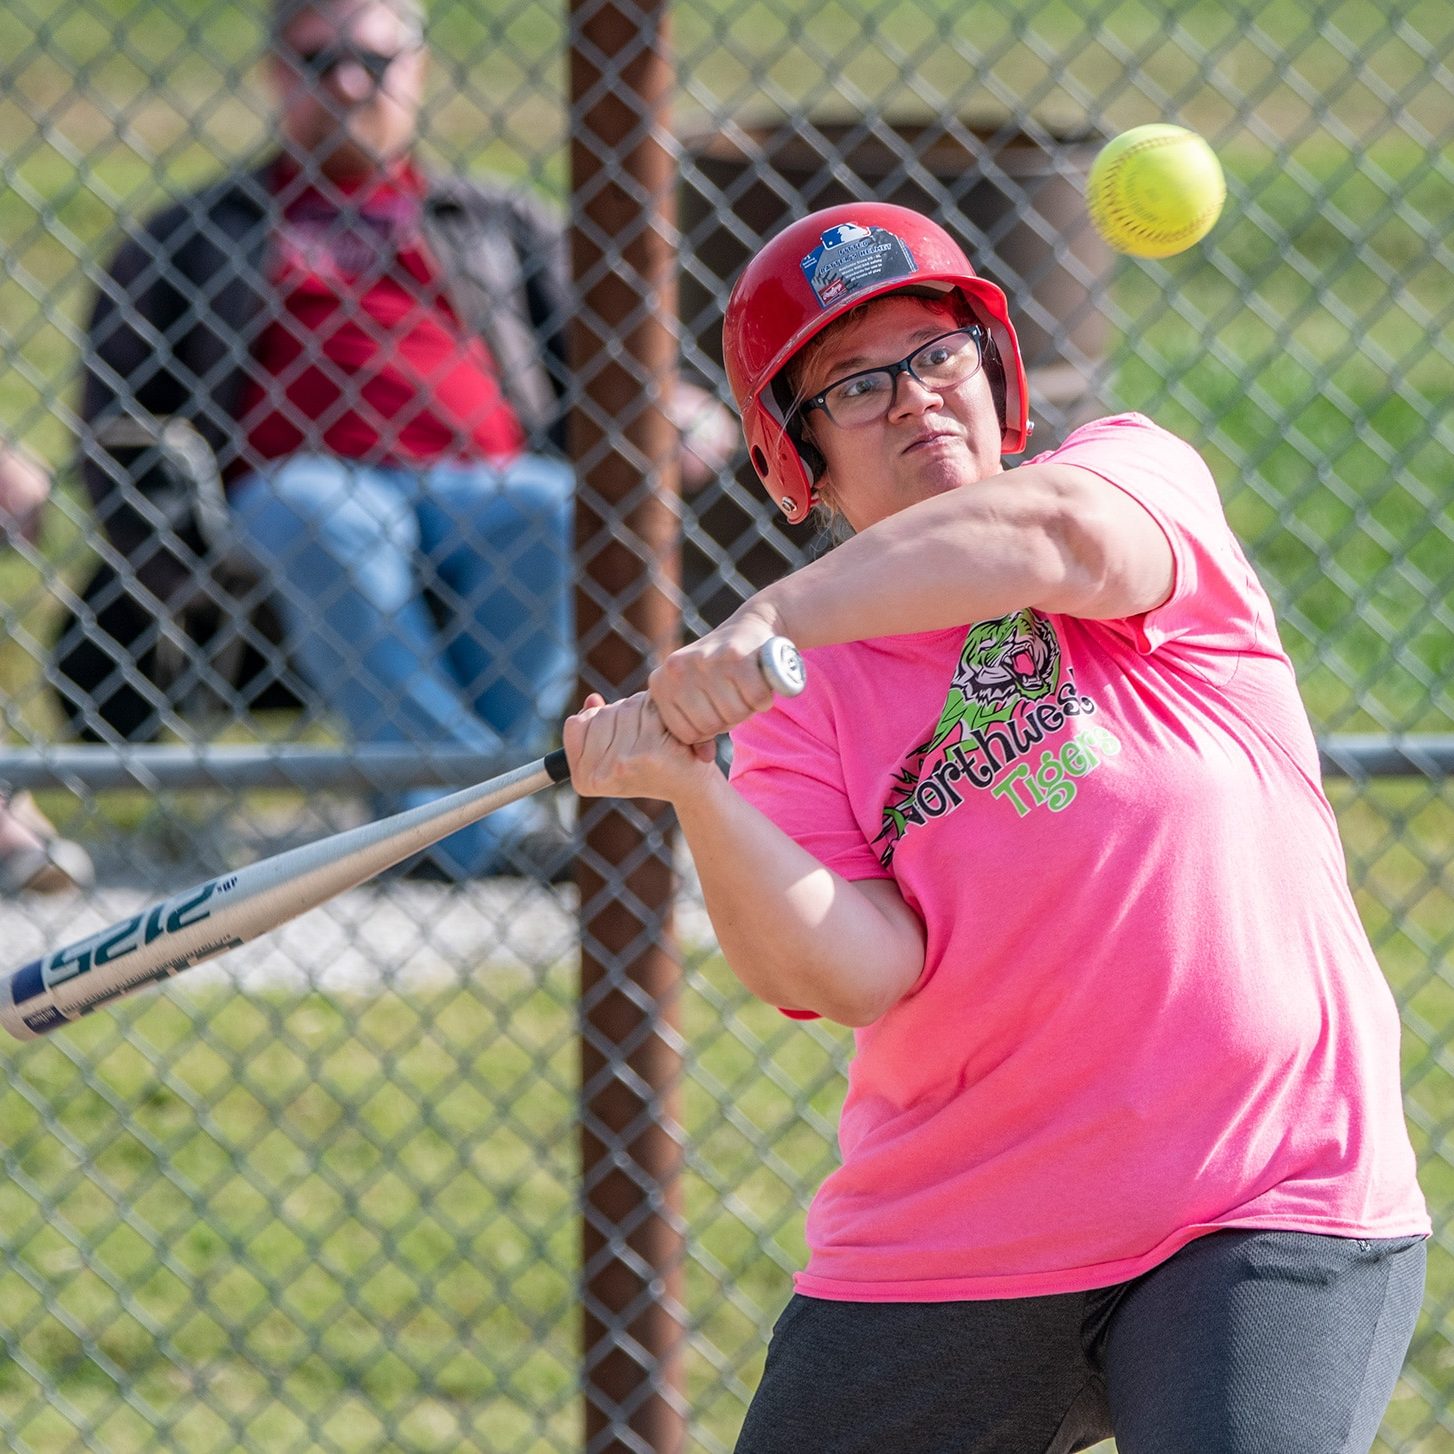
318,65
867,396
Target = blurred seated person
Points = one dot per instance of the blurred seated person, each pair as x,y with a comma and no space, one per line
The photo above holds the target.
376,356
34,858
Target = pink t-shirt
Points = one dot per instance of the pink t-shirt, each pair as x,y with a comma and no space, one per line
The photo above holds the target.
1149,1009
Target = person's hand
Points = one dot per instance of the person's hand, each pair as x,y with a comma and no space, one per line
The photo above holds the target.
710,686
24,488
622,750
709,433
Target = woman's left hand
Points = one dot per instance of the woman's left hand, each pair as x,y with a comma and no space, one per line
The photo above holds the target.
622,750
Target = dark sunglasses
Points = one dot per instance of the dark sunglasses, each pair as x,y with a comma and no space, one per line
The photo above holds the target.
319,65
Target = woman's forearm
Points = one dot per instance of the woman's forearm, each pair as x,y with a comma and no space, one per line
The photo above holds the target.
1049,537
796,934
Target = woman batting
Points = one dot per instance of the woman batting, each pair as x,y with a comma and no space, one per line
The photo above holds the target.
1123,1150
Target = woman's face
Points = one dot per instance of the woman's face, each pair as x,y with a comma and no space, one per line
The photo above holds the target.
929,441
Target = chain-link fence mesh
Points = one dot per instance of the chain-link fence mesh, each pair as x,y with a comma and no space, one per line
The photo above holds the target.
327,1194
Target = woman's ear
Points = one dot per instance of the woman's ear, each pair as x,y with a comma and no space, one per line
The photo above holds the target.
816,464
800,432
825,511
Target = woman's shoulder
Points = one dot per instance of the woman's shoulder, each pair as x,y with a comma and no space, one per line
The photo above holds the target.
1117,431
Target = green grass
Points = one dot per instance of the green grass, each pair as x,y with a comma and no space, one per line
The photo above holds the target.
291,1221
227,1218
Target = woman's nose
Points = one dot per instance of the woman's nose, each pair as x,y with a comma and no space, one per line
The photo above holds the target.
912,395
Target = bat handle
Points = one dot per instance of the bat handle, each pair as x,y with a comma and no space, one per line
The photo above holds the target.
782,665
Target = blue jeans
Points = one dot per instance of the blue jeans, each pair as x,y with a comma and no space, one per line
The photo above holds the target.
355,553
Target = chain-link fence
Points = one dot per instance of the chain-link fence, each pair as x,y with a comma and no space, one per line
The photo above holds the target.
328,1194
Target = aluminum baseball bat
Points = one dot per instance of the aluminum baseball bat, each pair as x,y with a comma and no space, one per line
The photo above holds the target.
224,912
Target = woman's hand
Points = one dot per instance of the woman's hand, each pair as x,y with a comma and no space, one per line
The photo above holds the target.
622,750
710,686
795,933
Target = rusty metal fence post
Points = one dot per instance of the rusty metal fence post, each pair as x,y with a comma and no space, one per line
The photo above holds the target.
623,177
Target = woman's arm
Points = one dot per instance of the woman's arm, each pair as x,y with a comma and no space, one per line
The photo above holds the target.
795,934
1053,537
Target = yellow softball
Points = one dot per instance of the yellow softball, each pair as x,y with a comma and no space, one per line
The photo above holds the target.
1155,190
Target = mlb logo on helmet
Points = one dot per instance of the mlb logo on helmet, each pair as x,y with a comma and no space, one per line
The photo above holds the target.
850,257
846,232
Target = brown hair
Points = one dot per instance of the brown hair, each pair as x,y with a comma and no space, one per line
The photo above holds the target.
798,365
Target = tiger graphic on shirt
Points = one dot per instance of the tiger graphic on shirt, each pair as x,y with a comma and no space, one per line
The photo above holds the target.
1011,689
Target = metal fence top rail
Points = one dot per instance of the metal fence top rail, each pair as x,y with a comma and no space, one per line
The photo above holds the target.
152,767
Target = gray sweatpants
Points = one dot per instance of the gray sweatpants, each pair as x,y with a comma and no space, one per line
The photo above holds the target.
1240,1343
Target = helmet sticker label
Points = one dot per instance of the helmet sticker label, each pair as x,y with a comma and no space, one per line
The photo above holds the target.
851,257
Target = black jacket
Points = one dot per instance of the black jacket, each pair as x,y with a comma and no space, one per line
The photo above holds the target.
178,313
185,301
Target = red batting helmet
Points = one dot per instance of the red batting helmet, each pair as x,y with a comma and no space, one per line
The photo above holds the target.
818,269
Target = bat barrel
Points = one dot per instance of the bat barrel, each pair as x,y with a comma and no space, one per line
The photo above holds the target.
224,912
221,913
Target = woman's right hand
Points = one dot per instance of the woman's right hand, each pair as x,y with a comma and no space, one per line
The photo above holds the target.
709,686
623,750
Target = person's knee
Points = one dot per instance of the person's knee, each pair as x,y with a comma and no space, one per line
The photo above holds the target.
543,490
310,484
317,501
